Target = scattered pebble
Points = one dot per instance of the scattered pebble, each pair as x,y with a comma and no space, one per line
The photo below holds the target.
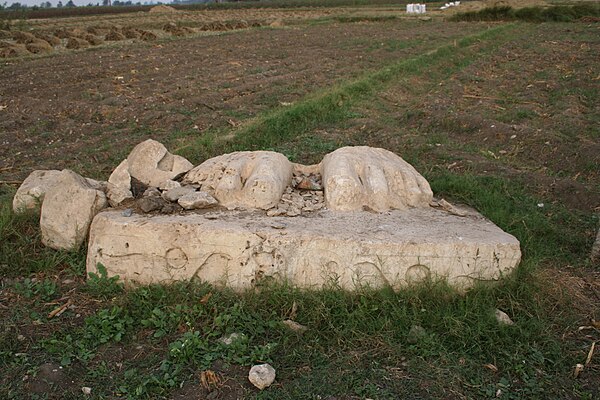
503,318
262,376
294,326
416,333
86,390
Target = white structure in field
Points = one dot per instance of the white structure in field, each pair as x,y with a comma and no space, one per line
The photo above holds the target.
451,4
416,8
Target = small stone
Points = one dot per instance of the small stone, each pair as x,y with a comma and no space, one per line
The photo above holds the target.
127,212
177,192
294,326
275,212
169,185
416,333
86,390
152,192
197,200
503,318
308,183
293,213
262,376
147,204
234,337
278,225
171,208
20,338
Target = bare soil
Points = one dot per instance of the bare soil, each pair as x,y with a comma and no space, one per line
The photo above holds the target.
84,110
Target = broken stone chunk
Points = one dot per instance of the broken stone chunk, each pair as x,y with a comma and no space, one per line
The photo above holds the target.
175,193
308,183
68,209
151,163
117,194
197,200
148,204
152,192
169,184
120,176
30,194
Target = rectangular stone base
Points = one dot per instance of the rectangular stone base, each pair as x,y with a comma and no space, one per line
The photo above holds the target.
242,249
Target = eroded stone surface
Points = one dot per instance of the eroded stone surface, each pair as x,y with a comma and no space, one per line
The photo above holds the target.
151,163
67,211
365,177
249,179
242,249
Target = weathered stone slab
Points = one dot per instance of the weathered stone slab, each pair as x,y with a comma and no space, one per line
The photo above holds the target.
242,249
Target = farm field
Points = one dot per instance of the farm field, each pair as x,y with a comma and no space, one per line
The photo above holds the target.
501,116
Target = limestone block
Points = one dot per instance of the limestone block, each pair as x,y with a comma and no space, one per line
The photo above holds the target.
359,177
67,211
241,249
251,179
30,194
151,163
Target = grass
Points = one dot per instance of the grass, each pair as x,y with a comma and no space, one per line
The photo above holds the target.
561,13
149,341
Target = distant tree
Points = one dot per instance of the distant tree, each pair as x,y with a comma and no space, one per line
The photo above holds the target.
70,4
17,6
59,4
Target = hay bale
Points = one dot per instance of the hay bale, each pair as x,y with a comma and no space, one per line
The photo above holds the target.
93,40
114,36
78,33
53,40
77,43
12,50
130,33
39,46
175,30
148,36
23,37
162,9
62,33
